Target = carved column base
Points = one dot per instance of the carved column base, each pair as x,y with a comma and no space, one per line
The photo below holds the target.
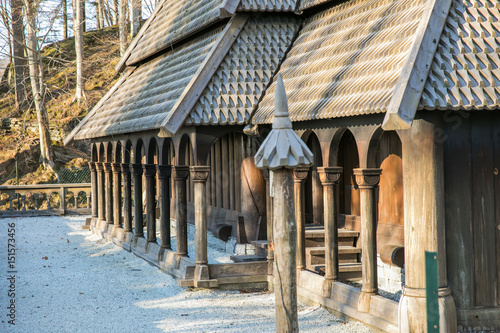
364,301
413,315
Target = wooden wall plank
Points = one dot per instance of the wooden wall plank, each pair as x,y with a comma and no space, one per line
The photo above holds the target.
483,209
231,171
225,172
458,213
213,176
496,173
238,143
218,174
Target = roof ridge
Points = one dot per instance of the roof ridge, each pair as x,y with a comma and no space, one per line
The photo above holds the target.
410,85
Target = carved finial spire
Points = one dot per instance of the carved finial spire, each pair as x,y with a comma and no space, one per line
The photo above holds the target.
282,148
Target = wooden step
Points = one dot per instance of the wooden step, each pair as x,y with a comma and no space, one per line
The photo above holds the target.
315,236
316,255
247,258
260,247
348,272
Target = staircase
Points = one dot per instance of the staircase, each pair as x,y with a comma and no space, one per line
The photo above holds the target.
349,254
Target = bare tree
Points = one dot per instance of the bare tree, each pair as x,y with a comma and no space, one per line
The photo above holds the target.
115,10
135,17
37,84
122,22
64,4
78,27
18,52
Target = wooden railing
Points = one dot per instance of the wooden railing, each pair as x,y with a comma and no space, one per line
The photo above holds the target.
45,199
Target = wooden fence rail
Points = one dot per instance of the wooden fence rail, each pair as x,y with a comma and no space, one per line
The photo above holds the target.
45,199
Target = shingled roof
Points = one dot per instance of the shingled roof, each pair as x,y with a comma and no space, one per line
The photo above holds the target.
465,73
346,60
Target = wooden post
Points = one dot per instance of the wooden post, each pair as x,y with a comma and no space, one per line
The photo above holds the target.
93,181
164,172
423,178
367,180
285,243
299,177
117,194
330,177
127,198
269,216
136,169
100,190
199,174
62,195
150,173
109,193
281,151
181,172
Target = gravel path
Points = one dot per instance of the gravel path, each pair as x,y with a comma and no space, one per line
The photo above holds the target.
69,281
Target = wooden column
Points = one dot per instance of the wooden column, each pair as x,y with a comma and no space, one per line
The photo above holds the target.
299,177
100,191
93,181
199,174
330,177
150,173
117,194
136,169
423,179
181,172
164,172
127,198
285,242
269,217
109,192
367,180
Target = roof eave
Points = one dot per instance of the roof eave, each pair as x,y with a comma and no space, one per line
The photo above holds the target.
410,85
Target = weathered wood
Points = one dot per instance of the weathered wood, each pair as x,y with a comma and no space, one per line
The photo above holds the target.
117,194
181,172
225,172
109,192
404,102
485,270
164,172
176,117
458,210
269,217
199,174
299,177
136,169
150,173
285,240
127,198
231,166
237,175
93,181
496,172
218,175
100,191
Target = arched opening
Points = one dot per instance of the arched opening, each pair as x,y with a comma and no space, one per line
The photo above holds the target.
313,187
94,154
186,157
101,152
348,159
388,157
127,152
118,152
109,152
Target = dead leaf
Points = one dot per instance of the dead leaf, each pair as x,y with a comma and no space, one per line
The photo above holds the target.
45,258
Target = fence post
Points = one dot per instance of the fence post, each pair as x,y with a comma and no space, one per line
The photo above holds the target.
62,207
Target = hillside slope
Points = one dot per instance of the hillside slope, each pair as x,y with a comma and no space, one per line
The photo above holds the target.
19,131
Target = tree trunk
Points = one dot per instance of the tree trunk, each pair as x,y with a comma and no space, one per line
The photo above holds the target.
19,57
78,26
136,15
115,10
37,86
65,18
122,18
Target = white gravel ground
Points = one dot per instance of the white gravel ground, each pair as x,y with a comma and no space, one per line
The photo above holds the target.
69,281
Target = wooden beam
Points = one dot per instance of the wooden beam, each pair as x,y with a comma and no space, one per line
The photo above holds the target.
175,119
404,103
228,7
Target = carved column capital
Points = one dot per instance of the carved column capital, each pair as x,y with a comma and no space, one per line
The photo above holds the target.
329,175
99,166
300,174
164,171
125,168
136,169
116,167
107,167
180,171
265,173
367,178
200,173
92,166
149,170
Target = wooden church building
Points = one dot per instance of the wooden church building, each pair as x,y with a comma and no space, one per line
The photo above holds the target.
398,101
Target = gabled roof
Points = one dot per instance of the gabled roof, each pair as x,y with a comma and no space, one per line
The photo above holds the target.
173,20
147,95
346,60
243,75
465,73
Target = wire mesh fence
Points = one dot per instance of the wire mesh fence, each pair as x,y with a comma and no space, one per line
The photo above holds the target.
74,175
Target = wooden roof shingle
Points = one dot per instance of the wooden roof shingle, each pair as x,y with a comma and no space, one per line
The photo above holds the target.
268,5
346,60
465,73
